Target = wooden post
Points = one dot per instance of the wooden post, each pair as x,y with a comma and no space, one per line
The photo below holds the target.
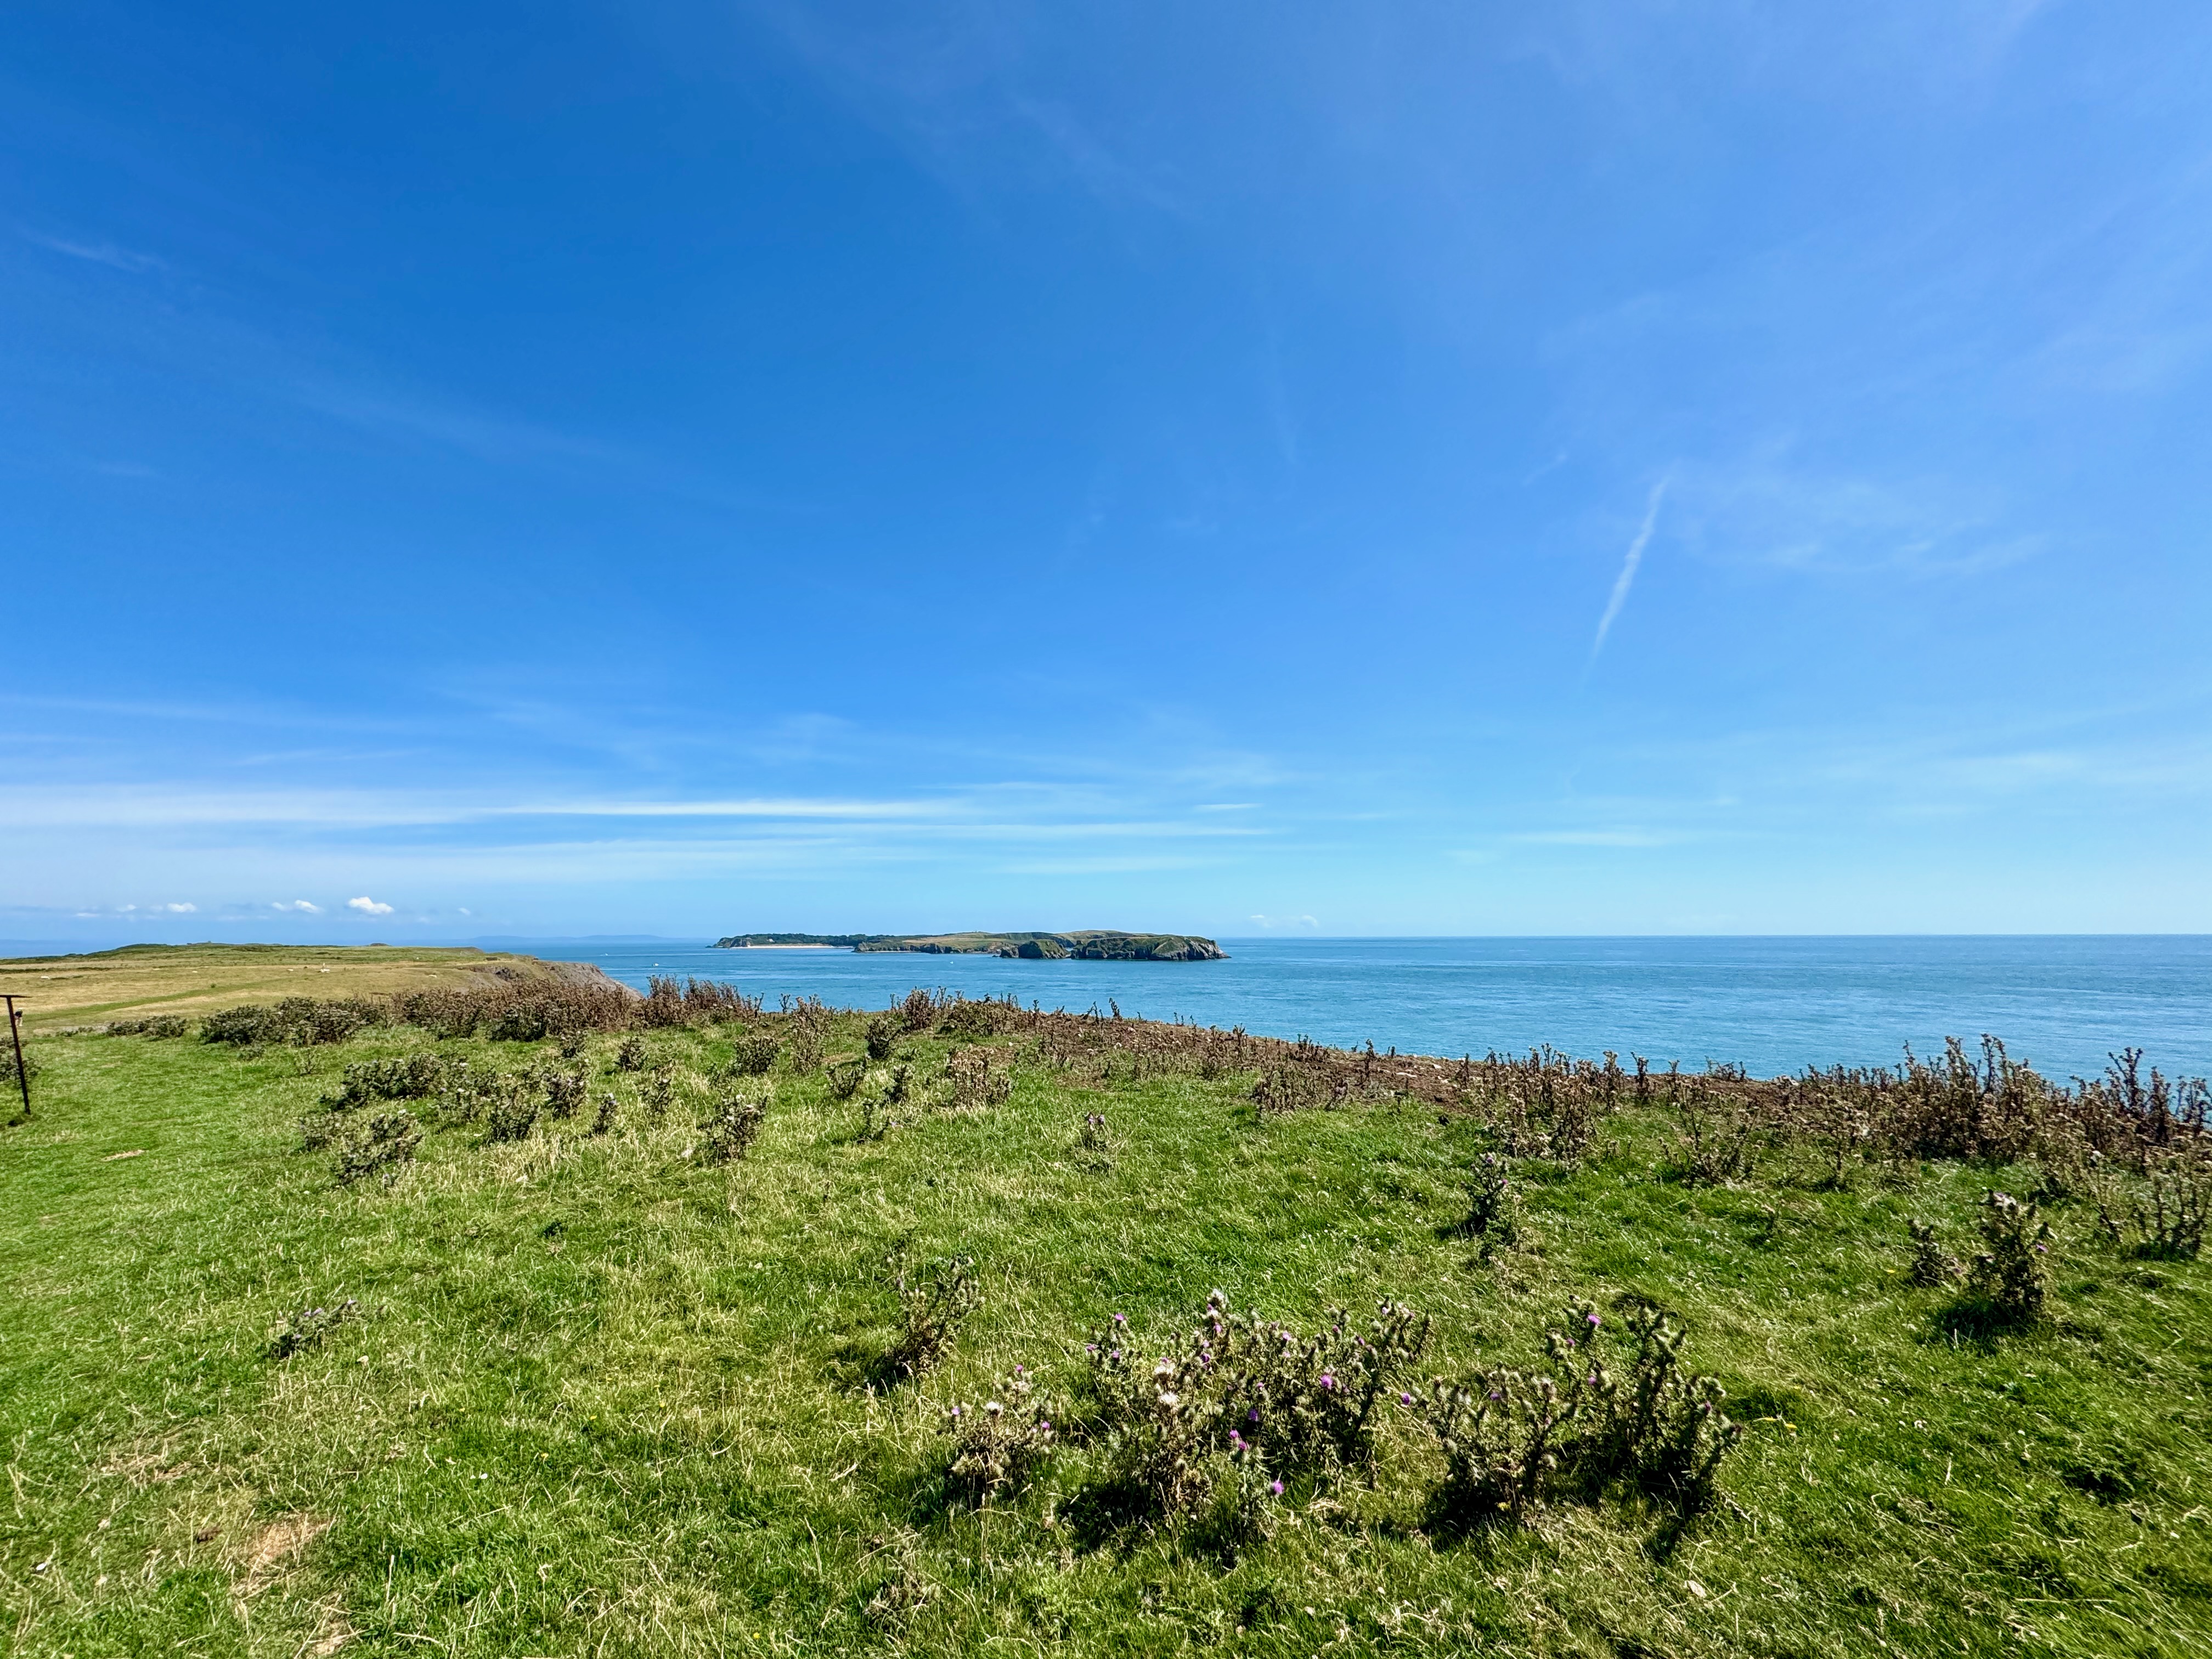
22,1071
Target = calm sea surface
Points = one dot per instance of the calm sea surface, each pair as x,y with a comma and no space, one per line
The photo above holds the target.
1773,1004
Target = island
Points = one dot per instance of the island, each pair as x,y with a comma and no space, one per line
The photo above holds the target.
1085,944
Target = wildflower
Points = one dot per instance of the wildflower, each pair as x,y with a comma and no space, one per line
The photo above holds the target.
1327,1381
1121,1319
992,1408
1276,1487
1593,1322
1405,1398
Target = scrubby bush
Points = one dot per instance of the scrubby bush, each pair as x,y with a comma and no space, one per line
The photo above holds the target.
753,1054
1715,1141
299,1021
917,1011
883,1032
2169,1217
603,1121
563,1088
806,1031
160,1026
512,1106
977,1079
631,1056
383,1149
1492,1213
965,1021
658,1092
1512,1440
402,1077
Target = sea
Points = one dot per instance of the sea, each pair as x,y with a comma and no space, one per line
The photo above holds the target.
2065,1004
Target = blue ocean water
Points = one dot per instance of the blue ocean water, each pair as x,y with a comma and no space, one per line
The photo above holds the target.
2062,1003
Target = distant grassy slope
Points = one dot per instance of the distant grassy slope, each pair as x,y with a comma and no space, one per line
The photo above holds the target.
58,992
604,1399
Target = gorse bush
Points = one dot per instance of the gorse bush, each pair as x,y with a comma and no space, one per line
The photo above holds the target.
999,1446
383,1149
299,1022
159,1026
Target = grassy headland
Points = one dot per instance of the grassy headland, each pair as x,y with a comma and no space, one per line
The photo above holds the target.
676,1375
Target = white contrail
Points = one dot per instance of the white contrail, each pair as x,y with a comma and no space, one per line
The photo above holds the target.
1627,576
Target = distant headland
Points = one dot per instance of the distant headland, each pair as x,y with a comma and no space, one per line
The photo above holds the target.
1086,944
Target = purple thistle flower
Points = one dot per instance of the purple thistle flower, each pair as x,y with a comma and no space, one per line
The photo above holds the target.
1276,1487
1121,1319
1593,1322
1326,1381
1405,1398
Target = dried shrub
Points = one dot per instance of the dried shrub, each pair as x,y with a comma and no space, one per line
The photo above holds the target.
978,1079
933,1302
383,1149
965,1021
999,1446
917,1011
846,1076
1094,1142
307,1329
806,1031
2169,1215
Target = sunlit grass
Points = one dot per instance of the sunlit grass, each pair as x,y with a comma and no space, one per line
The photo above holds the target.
603,1397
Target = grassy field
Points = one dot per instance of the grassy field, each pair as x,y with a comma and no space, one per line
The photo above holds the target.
57,992
598,1394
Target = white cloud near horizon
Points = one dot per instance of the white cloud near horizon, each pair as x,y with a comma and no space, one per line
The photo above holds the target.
368,907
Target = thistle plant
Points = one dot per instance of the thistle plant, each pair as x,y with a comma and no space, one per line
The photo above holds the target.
806,1029
563,1088
630,1056
658,1092
934,1300
1492,1212
2169,1217
307,1329
978,1079
883,1034
754,1054
998,1446
2009,1280
1933,1266
512,1108
603,1121
732,1128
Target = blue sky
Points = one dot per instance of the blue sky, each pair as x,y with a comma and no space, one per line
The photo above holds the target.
672,468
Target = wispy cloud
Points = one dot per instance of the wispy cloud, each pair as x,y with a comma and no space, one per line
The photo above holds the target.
98,253
1627,579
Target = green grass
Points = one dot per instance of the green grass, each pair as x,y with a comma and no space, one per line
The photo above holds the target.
604,1399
